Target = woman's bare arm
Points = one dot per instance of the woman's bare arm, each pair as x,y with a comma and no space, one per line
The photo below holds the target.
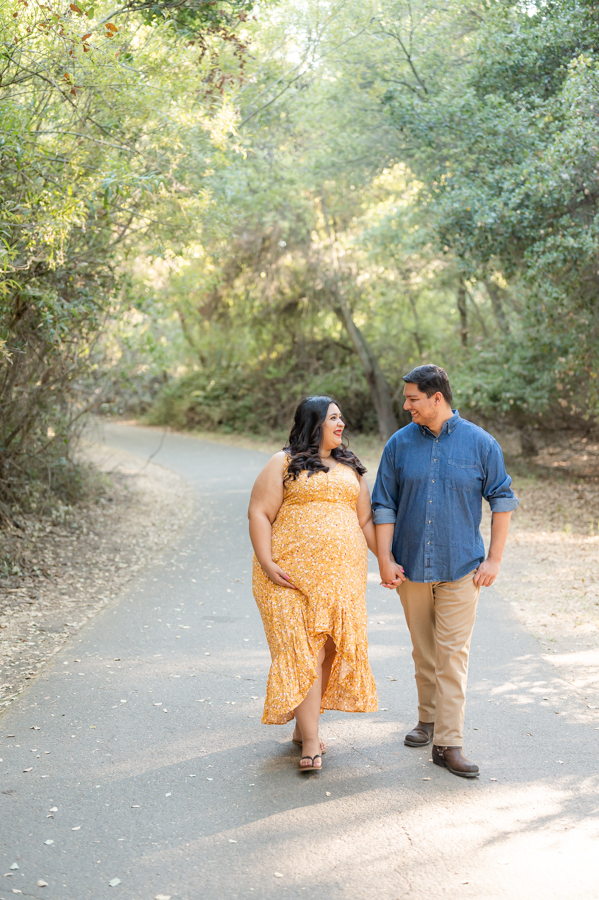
265,502
364,510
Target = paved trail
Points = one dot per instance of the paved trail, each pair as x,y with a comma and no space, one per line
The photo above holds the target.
148,742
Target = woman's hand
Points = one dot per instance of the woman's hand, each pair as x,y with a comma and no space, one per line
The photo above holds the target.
276,574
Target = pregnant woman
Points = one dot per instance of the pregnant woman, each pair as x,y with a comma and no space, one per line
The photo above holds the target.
310,525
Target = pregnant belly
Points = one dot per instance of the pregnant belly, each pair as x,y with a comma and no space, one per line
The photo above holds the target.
320,542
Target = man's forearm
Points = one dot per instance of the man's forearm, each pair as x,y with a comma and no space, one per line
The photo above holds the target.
384,541
500,525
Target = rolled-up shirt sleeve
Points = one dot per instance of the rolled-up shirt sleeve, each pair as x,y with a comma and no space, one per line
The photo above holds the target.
386,491
497,484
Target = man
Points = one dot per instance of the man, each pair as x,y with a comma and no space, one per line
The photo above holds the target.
427,504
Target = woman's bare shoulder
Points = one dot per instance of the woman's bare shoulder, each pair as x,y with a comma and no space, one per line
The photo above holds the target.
276,463
279,458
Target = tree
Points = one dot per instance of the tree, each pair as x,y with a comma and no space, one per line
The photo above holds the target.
100,149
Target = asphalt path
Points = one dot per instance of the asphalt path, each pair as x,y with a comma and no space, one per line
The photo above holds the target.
138,757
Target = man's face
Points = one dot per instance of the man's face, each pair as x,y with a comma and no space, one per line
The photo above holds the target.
423,409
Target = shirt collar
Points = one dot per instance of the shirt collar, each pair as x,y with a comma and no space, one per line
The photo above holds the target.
447,428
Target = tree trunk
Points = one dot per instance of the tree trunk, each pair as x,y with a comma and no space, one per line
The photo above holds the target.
494,293
416,322
479,318
463,312
378,384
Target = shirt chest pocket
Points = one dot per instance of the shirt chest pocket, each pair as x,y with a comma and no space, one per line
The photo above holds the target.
462,473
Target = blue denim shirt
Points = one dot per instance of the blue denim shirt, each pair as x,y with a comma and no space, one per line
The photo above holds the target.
431,488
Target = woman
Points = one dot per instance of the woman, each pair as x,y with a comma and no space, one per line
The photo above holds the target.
310,525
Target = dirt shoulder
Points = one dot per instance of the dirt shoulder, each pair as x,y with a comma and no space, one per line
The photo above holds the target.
69,565
550,575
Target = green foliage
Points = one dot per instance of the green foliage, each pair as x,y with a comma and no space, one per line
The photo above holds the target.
208,210
506,147
100,154
254,401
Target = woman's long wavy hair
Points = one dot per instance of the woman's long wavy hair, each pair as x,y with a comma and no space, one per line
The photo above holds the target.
305,439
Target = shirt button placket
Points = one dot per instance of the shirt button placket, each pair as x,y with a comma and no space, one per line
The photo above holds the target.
428,550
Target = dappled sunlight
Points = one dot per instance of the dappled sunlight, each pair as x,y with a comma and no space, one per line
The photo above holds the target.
488,836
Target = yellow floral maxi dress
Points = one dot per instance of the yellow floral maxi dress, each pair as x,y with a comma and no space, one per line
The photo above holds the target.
318,542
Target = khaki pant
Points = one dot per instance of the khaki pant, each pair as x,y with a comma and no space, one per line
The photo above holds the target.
440,617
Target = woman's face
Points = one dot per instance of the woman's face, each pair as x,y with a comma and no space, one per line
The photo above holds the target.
332,429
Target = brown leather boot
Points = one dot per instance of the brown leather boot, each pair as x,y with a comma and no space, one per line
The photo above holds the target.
421,735
453,759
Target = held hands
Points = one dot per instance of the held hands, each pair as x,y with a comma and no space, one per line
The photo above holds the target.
392,574
276,574
486,573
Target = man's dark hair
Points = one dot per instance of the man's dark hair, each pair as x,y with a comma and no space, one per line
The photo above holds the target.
430,379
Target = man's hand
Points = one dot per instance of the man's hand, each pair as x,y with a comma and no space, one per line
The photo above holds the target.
392,574
486,573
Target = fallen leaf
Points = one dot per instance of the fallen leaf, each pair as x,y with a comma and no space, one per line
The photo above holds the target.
114,881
